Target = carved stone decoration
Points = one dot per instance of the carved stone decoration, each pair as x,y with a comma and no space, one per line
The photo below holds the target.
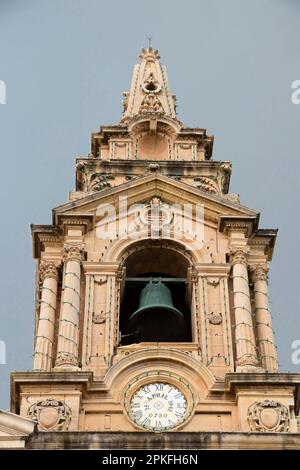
50,415
156,214
151,104
259,273
99,317
226,167
48,270
239,255
125,100
100,181
151,85
66,359
194,276
213,281
153,167
247,360
207,183
268,416
72,253
214,318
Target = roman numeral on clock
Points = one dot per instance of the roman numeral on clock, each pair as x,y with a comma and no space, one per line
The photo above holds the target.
159,387
146,422
135,405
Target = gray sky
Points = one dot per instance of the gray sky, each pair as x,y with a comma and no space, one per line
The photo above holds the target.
65,64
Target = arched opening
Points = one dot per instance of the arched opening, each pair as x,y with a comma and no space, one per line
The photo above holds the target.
155,307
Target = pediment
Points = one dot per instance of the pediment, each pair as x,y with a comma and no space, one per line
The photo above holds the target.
144,189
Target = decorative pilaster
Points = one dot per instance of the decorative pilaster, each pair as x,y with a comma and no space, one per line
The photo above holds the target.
68,334
43,354
265,336
193,283
244,333
111,318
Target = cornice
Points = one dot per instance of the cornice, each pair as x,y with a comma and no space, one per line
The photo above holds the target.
96,267
212,269
264,241
18,379
67,220
145,163
239,224
44,234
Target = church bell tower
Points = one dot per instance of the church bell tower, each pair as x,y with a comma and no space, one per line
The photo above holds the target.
152,315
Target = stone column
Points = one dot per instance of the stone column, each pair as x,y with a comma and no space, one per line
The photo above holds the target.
265,336
43,354
244,333
68,332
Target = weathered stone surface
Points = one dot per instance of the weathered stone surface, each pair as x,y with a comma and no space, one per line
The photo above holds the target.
165,441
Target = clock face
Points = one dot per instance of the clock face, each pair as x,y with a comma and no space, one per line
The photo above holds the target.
158,406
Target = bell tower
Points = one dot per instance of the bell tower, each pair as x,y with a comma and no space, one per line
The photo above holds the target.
152,314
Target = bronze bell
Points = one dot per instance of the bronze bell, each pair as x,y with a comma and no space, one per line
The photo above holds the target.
157,319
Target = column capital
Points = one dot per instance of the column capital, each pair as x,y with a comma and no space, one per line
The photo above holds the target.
193,275
65,358
48,269
239,255
247,360
72,253
259,272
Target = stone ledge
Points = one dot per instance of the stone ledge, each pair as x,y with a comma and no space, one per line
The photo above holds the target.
163,441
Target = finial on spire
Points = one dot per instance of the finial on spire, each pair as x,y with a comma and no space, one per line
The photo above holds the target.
149,41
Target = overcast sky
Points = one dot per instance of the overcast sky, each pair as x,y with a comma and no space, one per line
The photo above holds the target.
65,64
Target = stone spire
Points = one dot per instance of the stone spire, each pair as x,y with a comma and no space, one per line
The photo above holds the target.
149,91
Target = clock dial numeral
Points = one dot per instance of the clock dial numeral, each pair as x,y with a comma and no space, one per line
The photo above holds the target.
146,422
159,387
135,405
